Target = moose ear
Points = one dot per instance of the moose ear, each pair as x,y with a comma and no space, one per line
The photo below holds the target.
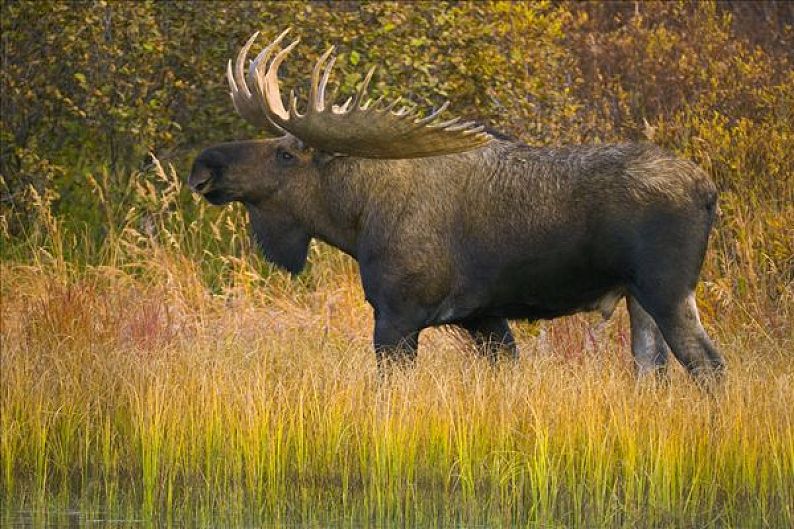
321,158
280,238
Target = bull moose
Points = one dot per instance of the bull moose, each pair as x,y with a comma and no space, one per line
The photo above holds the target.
452,223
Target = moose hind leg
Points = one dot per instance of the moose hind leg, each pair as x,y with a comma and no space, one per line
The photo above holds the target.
648,346
492,337
680,325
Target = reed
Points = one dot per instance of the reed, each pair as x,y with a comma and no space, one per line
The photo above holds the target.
170,374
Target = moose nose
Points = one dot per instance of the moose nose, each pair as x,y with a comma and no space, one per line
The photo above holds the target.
199,179
208,165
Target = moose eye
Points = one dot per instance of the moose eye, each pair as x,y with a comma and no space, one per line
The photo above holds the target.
284,156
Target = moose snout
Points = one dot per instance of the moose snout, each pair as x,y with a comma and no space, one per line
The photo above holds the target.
199,179
209,166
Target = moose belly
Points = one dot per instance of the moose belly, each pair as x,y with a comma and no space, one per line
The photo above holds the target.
534,309
534,293
541,289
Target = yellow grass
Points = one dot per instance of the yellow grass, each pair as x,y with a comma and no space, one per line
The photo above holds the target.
133,386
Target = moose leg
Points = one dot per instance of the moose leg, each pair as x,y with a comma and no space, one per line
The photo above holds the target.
680,325
395,343
647,343
492,337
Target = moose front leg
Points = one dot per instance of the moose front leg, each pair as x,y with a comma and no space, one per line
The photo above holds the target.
396,342
493,338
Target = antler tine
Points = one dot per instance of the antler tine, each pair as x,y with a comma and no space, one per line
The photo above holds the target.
240,63
404,111
233,90
264,55
460,127
342,109
478,131
316,92
257,68
390,106
272,93
444,124
432,117
293,105
230,79
324,81
372,103
362,90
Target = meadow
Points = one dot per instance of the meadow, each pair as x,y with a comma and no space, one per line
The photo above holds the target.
135,388
156,371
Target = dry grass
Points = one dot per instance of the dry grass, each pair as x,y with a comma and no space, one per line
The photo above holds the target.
131,385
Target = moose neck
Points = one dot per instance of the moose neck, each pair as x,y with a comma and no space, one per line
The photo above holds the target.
336,204
351,197
325,204
322,204
347,198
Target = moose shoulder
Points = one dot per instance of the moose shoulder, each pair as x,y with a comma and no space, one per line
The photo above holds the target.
453,225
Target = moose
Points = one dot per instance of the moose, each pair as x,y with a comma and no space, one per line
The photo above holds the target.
454,224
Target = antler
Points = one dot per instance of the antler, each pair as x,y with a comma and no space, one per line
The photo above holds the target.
247,104
369,129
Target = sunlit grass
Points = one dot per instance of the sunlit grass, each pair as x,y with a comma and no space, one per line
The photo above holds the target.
133,385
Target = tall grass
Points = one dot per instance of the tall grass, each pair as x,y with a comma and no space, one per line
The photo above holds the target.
171,374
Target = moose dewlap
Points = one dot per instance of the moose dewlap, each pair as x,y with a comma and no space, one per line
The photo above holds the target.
452,224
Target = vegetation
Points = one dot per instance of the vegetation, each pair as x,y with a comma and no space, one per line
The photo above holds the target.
154,366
